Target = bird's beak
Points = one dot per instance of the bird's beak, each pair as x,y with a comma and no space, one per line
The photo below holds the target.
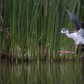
58,33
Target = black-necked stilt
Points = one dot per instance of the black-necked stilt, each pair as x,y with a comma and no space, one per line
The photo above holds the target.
77,35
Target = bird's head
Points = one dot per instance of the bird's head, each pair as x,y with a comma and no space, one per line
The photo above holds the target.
65,31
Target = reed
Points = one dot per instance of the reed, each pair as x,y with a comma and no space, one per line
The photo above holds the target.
32,27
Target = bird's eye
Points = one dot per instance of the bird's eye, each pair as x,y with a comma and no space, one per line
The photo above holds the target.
64,30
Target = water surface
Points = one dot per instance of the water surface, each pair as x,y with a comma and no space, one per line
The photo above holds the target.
42,73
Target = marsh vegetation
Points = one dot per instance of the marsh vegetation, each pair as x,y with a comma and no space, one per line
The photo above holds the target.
28,28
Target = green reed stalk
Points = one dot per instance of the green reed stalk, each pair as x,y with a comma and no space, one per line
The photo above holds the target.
33,26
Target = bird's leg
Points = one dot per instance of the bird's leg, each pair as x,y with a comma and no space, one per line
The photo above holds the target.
62,52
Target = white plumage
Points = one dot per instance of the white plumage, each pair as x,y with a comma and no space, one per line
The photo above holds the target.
77,35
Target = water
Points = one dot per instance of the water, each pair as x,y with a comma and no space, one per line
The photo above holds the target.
42,73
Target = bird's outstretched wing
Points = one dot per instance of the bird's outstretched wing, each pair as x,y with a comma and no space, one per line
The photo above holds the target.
76,22
81,33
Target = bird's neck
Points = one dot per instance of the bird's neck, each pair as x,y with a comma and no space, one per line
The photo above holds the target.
70,35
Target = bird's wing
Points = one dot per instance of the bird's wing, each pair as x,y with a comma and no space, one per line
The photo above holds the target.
81,32
76,22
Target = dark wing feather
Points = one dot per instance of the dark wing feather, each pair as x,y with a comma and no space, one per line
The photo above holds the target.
76,22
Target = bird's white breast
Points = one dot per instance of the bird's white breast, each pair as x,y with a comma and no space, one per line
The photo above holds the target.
77,38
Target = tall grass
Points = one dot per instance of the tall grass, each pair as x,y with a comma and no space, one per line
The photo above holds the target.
33,25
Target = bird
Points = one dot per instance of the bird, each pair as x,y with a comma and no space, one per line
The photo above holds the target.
77,35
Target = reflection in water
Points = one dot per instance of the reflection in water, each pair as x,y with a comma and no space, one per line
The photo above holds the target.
42,73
